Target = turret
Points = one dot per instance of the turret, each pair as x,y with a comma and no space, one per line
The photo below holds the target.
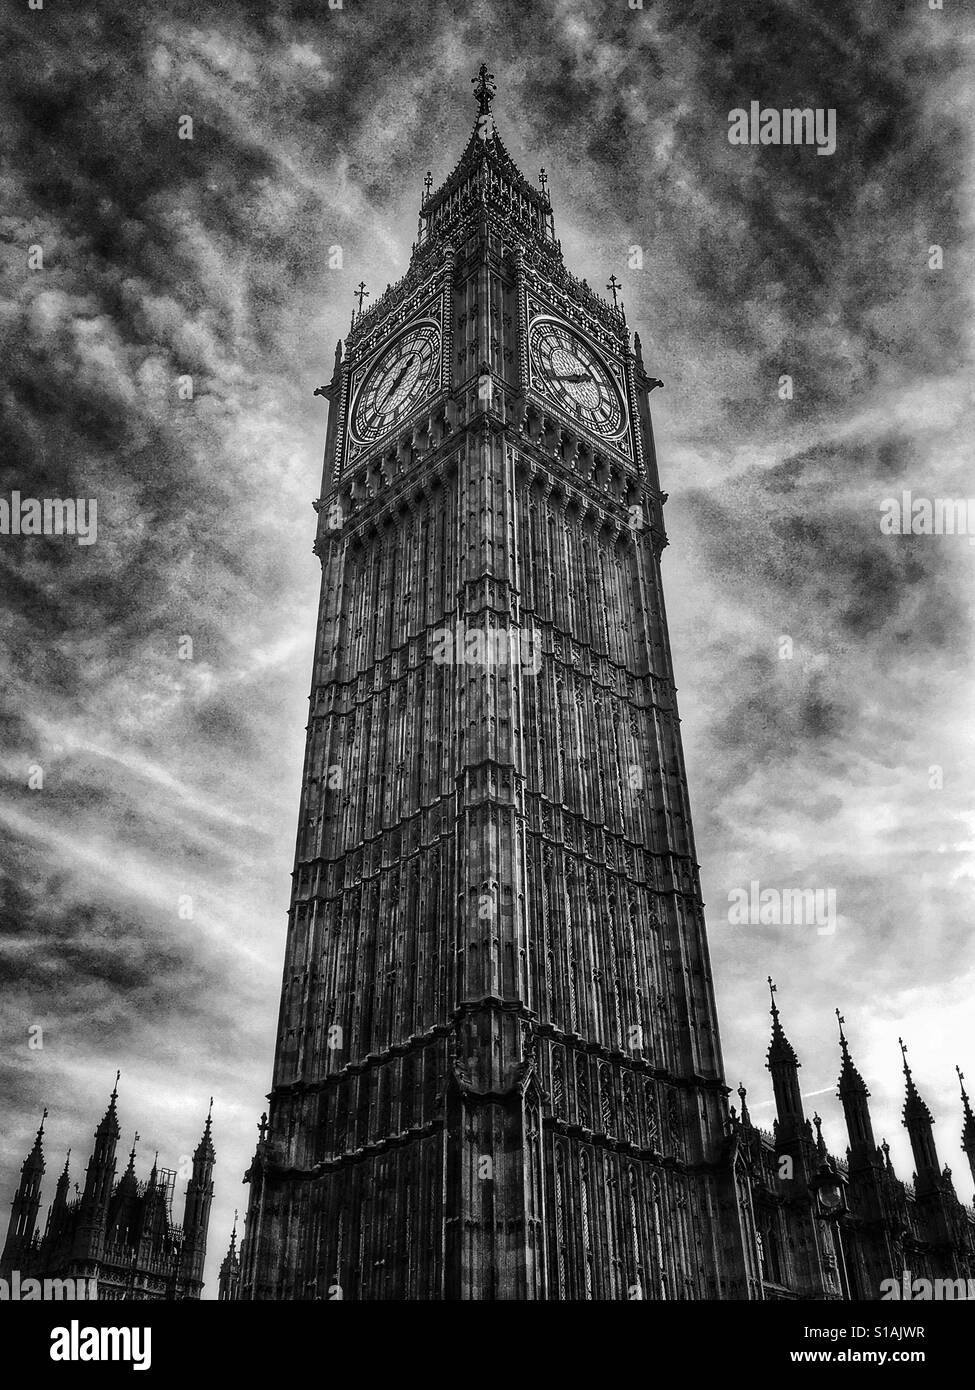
920,1125
25,1206
156,1226
123,1212
57,1216
230,1270
784,1065
854,1095
196,1213
99,1181
968,1124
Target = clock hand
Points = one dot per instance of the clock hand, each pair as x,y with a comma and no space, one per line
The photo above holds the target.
574,376
402,373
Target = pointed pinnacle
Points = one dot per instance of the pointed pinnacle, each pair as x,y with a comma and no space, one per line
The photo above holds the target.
484,89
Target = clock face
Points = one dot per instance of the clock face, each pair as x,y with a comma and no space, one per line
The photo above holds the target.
406,373
568,370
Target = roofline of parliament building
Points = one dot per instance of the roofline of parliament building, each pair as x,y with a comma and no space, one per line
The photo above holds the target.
115,1238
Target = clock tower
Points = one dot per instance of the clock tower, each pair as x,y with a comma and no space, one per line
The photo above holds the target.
497,1070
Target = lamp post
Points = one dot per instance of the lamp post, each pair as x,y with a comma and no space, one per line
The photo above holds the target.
829,1188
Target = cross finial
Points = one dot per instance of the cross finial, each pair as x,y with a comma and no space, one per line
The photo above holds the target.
542,180
484,90
614,288
361,293
427,184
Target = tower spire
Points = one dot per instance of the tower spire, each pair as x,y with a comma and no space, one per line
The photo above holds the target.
484,90
230,1268
204,1150
38,1146
196,1210
780,1049
919,1124
100,1173
109,1124
487,252
853,1092
784,1065
26,1204
914,1106
58,1210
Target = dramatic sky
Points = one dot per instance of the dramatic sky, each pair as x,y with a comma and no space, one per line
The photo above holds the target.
167,780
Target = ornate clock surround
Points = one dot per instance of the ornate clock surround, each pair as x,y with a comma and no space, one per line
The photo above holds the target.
595,344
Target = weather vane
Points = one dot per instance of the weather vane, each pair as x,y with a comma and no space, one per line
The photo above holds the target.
773,990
